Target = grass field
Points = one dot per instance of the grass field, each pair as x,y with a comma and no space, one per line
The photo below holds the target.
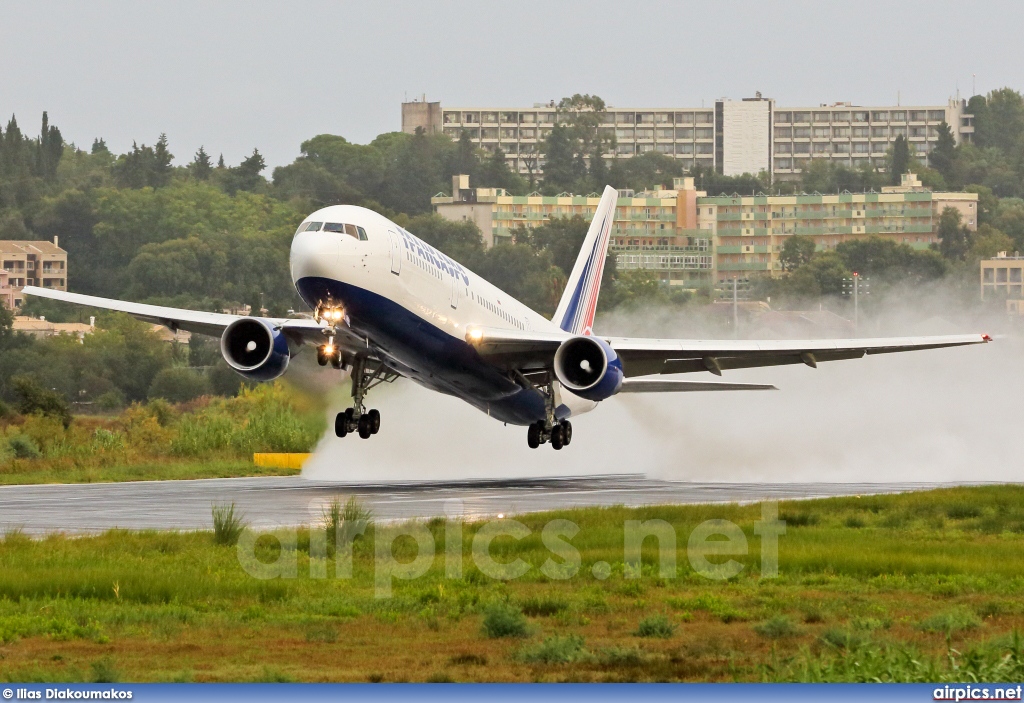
923,586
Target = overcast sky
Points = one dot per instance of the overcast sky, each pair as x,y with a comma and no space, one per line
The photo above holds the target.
233,76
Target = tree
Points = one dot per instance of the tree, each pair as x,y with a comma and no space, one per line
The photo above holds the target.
6,323
956,238
50,149
1004,119
796,252
899,161
887,261
178,385
559,171
246,176
822,275
988,242
99,146
202,166
33,398
162,158
944,152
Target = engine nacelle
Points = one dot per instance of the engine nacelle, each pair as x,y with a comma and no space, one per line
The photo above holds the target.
253,348
588,367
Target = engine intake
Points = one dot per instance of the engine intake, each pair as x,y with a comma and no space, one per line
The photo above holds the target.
588,367
253,348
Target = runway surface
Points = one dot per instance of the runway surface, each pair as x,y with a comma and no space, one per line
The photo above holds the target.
274,501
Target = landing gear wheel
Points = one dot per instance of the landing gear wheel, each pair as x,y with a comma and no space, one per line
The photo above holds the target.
374,416
336,360
533,436
365,429
350,417
557,437
566,433
341,424
321,358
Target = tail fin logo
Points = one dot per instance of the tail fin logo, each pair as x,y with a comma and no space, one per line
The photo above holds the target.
576,309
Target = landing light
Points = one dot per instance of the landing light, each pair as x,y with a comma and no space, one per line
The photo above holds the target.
476,335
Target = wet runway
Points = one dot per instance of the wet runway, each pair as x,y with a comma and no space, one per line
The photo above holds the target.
293,500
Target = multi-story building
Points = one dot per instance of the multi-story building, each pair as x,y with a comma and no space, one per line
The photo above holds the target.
734,137
655,230
33,263
6,292
1002,278
691,239
749,232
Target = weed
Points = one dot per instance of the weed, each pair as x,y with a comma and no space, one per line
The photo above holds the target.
776,628
854,522
555,650
843,639
813,615
440,677
621,656
963,511
105,671
543,607
322,632
655,626
227,525
269,675
800,519
375,678
505,620
468,660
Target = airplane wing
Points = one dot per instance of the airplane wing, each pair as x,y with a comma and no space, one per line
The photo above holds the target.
209,323
523,350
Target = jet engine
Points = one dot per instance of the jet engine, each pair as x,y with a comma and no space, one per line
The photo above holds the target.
253,348
588,367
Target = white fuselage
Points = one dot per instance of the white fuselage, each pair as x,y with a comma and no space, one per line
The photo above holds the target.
411,300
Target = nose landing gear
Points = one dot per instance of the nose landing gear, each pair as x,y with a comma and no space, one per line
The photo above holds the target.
366,374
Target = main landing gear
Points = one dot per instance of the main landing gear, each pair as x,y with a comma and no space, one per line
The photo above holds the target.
559,434
550,429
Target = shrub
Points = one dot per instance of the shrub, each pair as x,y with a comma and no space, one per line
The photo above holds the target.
440,677
110,401
468,659
854,522
777,628
655,626
322,632
505,620
555,650
178,385
950,621
23,447
343,522
227,525
621,656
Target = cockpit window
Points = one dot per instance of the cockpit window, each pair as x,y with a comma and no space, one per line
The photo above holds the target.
314,226
350,230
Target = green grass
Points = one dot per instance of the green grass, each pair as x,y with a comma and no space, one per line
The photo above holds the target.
912,595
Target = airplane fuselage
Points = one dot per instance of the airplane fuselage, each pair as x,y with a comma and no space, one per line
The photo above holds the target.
413,306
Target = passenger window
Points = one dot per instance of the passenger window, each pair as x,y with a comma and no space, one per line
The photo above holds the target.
314,226
362,234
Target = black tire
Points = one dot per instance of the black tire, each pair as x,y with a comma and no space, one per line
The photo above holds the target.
556,437
533,436
336,360
364,427
566,433
350,416
321,358
340,425
374,416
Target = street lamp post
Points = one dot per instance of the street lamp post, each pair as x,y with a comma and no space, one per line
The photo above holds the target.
856,286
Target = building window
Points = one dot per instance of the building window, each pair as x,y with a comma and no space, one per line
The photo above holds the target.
705,118
644,133
623,118
840,117
882,117
784,132
860,117
705,148
782,117
821,133
801,117
801,132
821,117
705,133
860,132
936,115
801,148
624,134
666,148
860,148
899,116
918,115
783,148
684,118
666,133
840,131
684,133
684,148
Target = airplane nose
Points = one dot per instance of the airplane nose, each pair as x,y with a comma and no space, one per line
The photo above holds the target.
314,254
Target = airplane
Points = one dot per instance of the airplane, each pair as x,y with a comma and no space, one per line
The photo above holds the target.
387,305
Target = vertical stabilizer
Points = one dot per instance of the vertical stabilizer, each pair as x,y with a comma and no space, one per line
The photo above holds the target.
575,313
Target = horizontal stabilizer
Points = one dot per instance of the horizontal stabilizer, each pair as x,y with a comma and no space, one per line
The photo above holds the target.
658,386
